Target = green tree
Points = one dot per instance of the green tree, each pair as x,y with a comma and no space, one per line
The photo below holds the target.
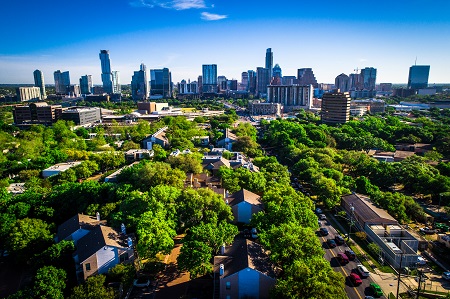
189,163
194,257
93,288
124,273
49,283
212,234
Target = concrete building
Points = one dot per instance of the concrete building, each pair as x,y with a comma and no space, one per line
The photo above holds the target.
139,84
251,87
188,87
36,113
395,242
342,82
86,84
258,108
25,94
39,82
62,81
373,105
306,76
209,79
418,76
291,96
361,94
161,83
58,168
335,107
82,115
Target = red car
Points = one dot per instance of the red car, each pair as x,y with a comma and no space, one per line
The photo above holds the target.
355,279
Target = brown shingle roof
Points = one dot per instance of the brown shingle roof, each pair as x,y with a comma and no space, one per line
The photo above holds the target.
244,195
96,239
244,254
75,223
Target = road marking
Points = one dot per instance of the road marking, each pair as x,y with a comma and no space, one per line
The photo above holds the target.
345,272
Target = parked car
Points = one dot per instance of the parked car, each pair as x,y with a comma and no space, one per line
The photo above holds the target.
141,282
318,211
427,231
322,217
421,261
446,275
355,279
342,258
376,289
254,233
350,254
339,240
362,270
323,231
331,243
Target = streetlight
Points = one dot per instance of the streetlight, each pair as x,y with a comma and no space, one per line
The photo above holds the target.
399,270
352,209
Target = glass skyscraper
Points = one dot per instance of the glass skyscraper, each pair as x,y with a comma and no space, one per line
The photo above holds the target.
106,71
139,84
418,76
369,78
161,82
269,61
39,82
209,78
86,84
62,82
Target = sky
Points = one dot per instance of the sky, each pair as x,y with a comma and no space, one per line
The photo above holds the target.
331,37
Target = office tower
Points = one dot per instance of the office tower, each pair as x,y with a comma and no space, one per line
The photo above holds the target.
418,76
276,72
289,80
244,80
117,88
36,113
269,61
385,87
187,88
62,82
335,107
232,85
369,78
209,76
251,82
262,81
342,82
291,96
106,71
200,84
139,84
28,94
356,82
86,84
222,83
39,82
306,76
161,82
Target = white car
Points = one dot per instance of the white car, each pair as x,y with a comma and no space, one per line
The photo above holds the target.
362,270
322,217
421,261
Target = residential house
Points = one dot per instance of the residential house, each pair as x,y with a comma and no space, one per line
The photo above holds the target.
77,227
228,140
244,204
243,270
58,168
214,166
138,154
204,180
100,250
158,138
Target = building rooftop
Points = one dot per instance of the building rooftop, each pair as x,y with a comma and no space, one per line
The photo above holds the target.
244,195
75,223
367,211
63,166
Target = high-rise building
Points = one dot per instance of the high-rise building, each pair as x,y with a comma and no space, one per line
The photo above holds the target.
28,94
244,80
209,77
276,71
39,82
106,71
161,82
117,88
369,78
355,82
335,107
232,85
269,61
289,80
222,83
342,82
187,88
306,76
200,84
251,87
291,96
62,82
86,84
139,84
418,76
262,81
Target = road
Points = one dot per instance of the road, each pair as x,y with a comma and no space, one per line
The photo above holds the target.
331,255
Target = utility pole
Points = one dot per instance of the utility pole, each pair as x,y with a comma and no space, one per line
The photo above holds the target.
399,271
420,280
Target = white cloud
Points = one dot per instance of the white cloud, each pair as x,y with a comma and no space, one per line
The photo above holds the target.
212,17
362,60
173,4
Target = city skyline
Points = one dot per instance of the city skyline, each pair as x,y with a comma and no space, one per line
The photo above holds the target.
182,35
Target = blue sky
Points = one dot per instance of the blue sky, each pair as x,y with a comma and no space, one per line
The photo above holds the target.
332,37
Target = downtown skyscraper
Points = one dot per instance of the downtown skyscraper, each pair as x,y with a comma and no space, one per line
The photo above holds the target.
139,84
209,78
369,78
106,71
161,82
269,61
39,82
86,84
418,76
62,82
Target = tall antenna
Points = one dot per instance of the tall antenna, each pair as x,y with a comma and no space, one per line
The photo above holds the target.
356,70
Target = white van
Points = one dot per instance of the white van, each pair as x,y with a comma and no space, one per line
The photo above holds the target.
362,270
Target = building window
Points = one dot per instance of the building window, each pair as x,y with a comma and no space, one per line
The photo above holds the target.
228,285
88,266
